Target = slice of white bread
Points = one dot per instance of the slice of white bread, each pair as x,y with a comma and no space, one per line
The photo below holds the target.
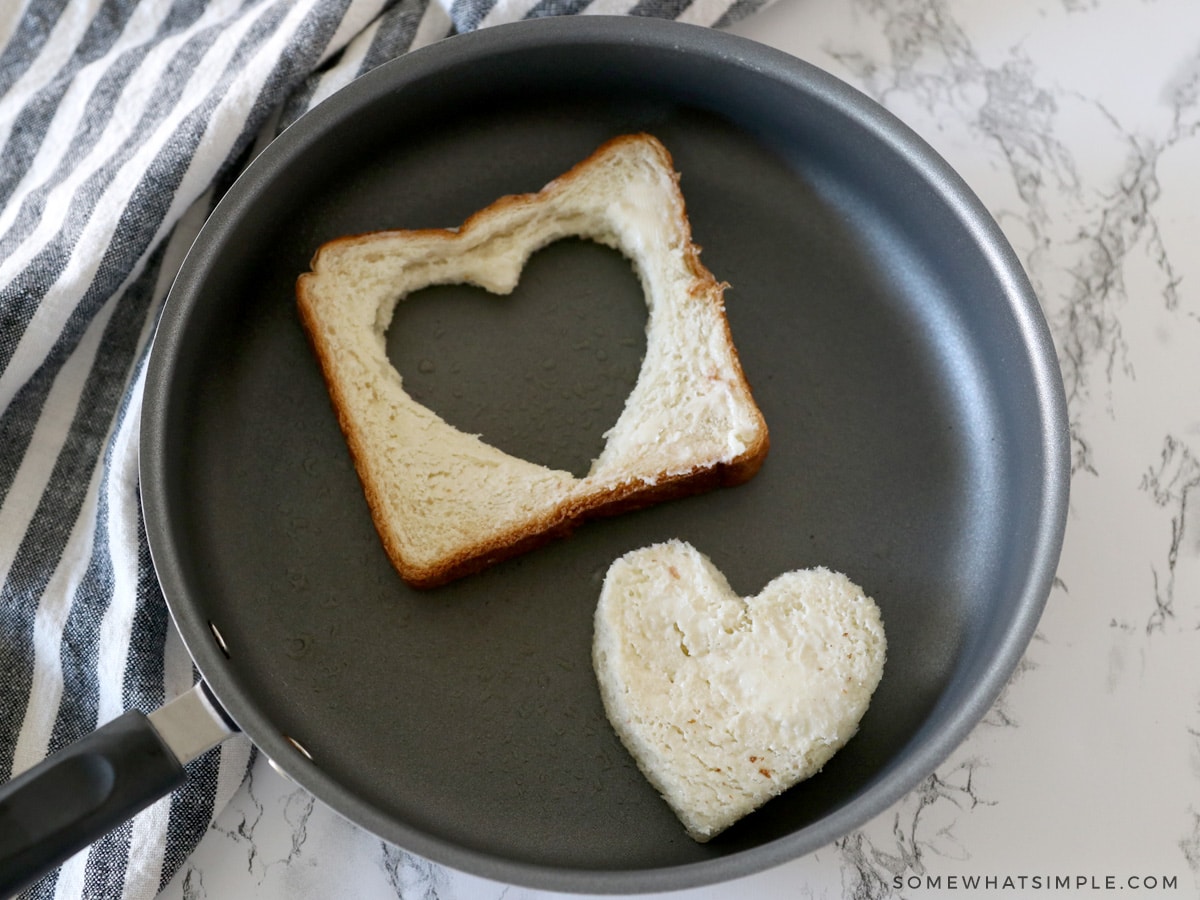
444,502
726,701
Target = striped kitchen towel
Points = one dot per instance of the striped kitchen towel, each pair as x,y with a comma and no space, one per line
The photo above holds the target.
120,123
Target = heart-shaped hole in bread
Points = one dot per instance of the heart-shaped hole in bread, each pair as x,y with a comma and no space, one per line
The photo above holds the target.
540,373
726,701
444,501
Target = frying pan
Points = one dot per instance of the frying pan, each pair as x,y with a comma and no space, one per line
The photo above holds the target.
919,444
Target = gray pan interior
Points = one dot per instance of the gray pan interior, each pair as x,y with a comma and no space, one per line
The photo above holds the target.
895,347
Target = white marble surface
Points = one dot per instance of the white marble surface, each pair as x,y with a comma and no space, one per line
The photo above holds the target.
1078,123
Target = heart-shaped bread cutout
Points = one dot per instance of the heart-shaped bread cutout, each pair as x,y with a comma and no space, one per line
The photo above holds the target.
556,366
724,701
444,502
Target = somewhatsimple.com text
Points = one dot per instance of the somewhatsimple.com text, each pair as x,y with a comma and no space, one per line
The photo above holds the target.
1035,882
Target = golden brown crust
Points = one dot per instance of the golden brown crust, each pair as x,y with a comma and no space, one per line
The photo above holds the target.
565,519
479,218
569,515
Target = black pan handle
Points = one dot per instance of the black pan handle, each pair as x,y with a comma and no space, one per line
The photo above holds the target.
77,795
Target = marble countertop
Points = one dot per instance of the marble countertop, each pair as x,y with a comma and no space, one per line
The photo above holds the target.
1078,124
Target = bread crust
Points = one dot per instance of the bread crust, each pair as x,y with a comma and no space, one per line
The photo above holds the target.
566,516
621,499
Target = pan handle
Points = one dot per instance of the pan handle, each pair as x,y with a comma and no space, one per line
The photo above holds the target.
79,794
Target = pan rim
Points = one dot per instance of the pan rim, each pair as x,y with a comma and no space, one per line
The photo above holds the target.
717,48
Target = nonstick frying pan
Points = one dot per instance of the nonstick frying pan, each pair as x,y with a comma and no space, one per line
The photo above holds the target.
919,444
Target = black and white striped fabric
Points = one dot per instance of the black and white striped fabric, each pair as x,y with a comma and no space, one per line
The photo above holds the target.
120,122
